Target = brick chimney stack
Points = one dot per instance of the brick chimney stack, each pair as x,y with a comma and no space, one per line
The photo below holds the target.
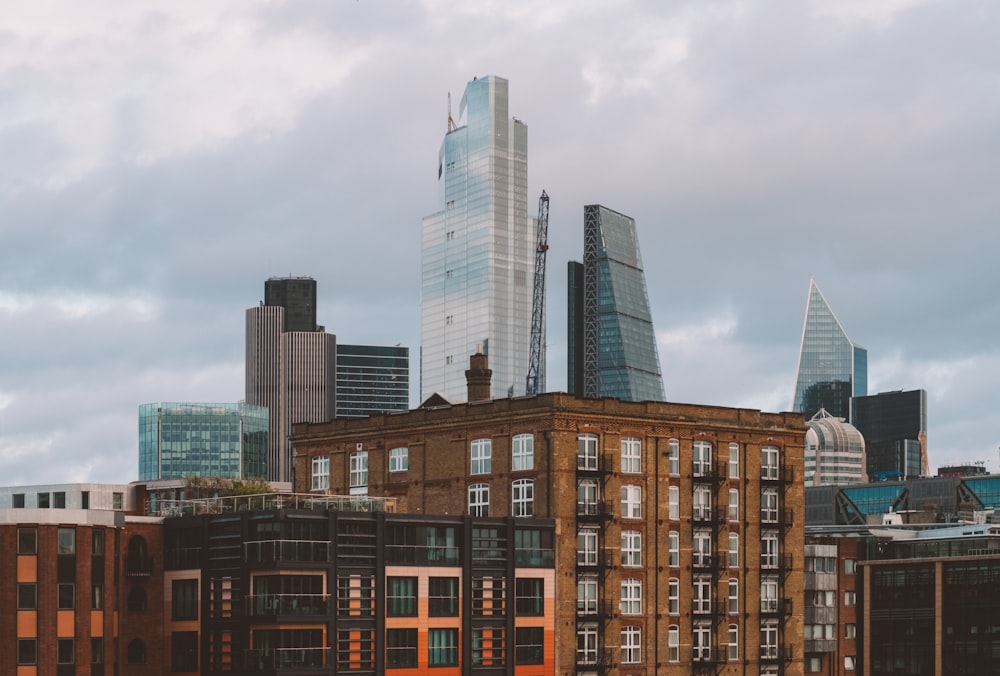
478,377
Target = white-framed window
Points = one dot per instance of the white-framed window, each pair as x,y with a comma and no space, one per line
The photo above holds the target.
588,496
769,462
586,547
734,461
631,501
850,598
631,455
522,452
769,639
631,601
359,473
674,502
850,663
769,505
399,459
586,452
701,641
734,550
586,644
674,549
733,652
734,504
734,596
631,548
674,596
586,594
479,500
769,549
701,547
850,565
702,503
701,598
702,458
674,457
522,497
673,643
768,594
814,664
631,645
850,630
482,456
321,472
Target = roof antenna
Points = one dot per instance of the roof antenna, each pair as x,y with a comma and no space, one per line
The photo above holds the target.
451,122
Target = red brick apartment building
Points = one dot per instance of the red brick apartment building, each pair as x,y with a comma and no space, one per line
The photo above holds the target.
678,528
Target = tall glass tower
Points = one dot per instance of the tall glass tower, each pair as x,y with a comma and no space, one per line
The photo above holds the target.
832,369
478,250
612,346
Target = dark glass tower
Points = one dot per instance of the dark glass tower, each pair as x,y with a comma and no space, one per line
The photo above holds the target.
894,425
298,296
832,369
612,345
372,379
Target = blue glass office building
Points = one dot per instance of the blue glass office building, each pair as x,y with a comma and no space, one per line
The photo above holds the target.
178,440
611,343
832,369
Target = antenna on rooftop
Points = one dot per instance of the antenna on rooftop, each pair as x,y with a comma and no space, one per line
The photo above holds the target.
451,121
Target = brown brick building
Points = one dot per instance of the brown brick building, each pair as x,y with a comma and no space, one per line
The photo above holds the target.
679,530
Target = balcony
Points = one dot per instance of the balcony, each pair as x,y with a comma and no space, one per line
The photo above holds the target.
421,555
534,558
704,562
595,609
138,566
287,551
775,474
772,653
702,514
273,605
279,660
776,607
598,509
708,472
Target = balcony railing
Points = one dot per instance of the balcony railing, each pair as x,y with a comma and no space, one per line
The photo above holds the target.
272,605
288,551
597,508
595,608
534,558
771,653
287,659
138,566
243,503
774,473
419,555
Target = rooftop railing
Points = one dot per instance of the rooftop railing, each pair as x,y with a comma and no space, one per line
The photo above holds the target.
265,501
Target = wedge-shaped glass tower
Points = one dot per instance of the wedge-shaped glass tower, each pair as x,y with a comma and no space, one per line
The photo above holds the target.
832,369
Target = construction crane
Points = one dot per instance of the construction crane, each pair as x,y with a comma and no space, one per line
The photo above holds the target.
538,299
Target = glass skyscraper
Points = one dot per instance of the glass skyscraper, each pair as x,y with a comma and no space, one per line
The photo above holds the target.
895,428
478,250
372,379
611,343
178,440
832,369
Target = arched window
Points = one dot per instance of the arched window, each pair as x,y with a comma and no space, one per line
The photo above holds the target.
137,599
137,651
137,547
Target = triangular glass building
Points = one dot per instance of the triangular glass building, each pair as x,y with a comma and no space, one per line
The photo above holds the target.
832,369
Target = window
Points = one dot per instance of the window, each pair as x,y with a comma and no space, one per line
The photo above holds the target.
482,456
67,541
479,500
734,504
850,662
97,542
814,664
59,500
17,500
27,651
733,653
442,647
674,502
26,596
631,455
701,548
769,594
529,645
631,502
674,457
631,601
769,505
701,642
117,500
399,459
631,645
321,473
97,650
96,595
66,596
27,540
488,646
701,600
734,596
769,549
529,597
136,652
850,630
734,550
44,501
522,497
185,600
673,643
769,639
401,597
85,499
702,503
400,648
674,549
586,645
850,598
769,462
359,473
587,497
137,599
631,548
734,461
702,458
586,547
586,595
523,452
674,596
64,651
442,596
586,452
184,650
850,566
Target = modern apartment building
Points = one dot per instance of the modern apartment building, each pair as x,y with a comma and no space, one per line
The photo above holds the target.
372,379
832,369
678,536
835,451
894,425
478,249
611,343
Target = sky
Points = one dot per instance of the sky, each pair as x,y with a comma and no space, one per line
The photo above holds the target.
160,160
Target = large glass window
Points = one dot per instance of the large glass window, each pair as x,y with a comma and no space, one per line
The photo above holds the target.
399,459
674,549
321,472
66,596
586,452
586,594
769,549
674,596
631,599
400,648
734,596
701,642
734,504
401,596
588,496
482,456
522,497
586,547
734,550
701,547
673,643
359,473
631,548
733,652
479,500
26,596
65,651
631,645
769,505
27,651
529,645
184,600
702,503
769,462
27,540
529,597
67,541
442,596
734,461
702,458
523,452
768,594
701,601
769,639
631,455
674,457
586,644
631,502
442,647
674,503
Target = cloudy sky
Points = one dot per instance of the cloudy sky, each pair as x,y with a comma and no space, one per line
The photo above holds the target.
160,160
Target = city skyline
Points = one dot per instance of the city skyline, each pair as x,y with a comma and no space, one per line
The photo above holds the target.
155,165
